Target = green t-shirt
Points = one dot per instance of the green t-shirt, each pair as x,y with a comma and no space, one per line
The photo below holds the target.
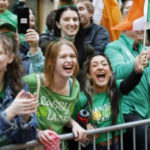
54,109
101,113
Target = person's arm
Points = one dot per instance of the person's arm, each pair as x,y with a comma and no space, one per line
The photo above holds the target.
78,131
37,62
121,68
5,124
130,82
35,54
133,79
79,105
20,126
26,131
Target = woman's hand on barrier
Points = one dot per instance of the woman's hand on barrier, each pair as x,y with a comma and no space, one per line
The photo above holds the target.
47,137
90,127
141,61
24,104
79,133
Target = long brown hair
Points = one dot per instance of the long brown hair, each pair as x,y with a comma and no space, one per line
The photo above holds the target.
112,89
51,57
14,72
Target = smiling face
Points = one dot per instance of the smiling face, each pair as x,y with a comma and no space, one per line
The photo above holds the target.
68,23
65,63
3,5
100,72
85,15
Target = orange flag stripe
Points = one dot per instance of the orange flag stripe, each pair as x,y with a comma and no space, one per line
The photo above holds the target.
136,11
111,17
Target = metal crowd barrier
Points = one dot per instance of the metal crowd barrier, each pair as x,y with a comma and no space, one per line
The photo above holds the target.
33,144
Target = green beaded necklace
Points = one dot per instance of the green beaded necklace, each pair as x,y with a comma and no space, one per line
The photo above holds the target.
2,92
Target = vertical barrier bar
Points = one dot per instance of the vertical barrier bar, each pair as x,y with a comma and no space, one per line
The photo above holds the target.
121,139
63,145
79,146
134,139
146,148
108,143
94,142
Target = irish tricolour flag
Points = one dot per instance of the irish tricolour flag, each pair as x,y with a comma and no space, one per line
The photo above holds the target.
108,14
138,17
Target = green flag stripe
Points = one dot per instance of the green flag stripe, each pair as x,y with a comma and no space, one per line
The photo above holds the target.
148,11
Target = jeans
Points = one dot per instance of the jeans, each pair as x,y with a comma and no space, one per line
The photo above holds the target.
140,134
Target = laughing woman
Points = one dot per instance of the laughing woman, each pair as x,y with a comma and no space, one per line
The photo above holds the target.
103,95
17,122
59,90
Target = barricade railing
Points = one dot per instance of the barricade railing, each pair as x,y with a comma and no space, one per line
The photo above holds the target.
64,137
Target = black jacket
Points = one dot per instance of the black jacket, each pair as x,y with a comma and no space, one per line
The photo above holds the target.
97,36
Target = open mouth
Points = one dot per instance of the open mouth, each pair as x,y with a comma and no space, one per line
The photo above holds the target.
68,69
101,77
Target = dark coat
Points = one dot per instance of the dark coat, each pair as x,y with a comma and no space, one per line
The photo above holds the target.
97,36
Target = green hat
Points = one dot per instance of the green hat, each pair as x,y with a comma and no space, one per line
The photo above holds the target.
66,3
8,26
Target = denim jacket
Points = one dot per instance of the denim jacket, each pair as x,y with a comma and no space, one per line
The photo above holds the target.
17,131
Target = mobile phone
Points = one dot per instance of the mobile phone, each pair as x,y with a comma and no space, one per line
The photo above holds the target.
23,19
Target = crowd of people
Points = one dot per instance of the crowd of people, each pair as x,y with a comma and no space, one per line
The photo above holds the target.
47,79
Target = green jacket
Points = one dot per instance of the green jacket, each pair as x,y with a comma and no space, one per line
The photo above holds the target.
122,57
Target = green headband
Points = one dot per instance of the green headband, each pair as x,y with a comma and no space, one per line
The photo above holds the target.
8,34
56,39
66,5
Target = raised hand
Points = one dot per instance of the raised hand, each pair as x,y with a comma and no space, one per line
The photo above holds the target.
32,37
141,61
24,104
